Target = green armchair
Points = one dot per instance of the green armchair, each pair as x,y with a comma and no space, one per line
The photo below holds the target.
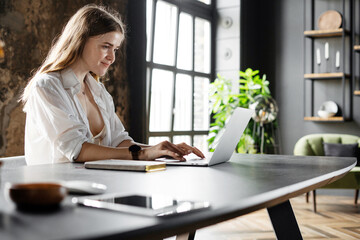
312,145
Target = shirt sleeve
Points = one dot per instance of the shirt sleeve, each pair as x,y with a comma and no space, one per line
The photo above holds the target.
55,119
118,133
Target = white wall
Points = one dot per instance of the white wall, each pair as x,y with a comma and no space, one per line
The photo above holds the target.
228,40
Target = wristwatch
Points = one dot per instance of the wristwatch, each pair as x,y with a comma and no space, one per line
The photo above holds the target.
135,149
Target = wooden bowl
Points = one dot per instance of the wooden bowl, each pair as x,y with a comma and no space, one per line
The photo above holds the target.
37,196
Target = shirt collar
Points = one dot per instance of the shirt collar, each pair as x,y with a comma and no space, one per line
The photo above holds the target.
70,82
93,85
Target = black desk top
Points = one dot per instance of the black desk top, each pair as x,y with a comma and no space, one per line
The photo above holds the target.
242,185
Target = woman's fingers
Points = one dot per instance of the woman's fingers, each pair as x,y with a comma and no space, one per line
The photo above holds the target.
190,149
153,153
173,155
170,146
164,149
176,151
198,152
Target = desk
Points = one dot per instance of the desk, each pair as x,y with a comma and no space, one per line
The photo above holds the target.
243,185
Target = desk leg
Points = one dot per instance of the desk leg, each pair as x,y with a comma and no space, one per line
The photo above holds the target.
284,221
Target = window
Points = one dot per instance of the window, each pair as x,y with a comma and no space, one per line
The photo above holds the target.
179,70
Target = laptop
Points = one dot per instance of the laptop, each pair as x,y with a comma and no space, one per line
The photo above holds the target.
234,128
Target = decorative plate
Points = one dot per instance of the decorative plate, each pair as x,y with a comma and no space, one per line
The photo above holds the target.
329,20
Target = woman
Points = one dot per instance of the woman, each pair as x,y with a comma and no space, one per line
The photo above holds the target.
69,114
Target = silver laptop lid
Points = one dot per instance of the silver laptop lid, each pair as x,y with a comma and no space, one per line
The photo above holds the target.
233,130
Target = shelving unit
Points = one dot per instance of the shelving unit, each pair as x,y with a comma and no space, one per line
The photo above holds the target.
330,119
343,75
325,33
335,75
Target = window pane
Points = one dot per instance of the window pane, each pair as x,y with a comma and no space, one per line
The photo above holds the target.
208,2
201,103
185,44
183,104
149,13
181,139
156,140
165,33
200,141
202,45
161,100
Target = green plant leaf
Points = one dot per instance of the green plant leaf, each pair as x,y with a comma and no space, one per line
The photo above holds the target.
223,102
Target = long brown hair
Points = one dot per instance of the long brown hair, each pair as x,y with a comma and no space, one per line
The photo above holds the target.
90,20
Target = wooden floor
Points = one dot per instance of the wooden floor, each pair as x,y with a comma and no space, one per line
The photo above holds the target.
337,218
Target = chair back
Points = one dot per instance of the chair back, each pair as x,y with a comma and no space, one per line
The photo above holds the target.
312,144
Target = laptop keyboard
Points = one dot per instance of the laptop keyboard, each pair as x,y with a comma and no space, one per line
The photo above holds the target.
193,158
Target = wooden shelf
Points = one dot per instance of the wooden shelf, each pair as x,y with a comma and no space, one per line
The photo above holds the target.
319,119
357,48
324,33
357,92
325,75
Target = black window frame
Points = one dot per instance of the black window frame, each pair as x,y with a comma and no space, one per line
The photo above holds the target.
137,70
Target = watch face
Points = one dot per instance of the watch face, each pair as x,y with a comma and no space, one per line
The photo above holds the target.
134,148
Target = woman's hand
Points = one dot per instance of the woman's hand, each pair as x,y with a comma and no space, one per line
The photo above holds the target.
190,149
169,149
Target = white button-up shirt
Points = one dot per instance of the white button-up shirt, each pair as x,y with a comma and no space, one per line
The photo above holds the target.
56,124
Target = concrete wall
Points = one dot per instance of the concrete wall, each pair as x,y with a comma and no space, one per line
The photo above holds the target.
27,28
228,41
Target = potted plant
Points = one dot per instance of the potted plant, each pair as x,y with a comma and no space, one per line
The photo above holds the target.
223,101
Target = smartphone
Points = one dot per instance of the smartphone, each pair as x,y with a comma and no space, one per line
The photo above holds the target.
154,205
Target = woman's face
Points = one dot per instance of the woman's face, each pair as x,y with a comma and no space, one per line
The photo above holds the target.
99,52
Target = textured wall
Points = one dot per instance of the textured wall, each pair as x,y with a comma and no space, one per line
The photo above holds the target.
27,28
